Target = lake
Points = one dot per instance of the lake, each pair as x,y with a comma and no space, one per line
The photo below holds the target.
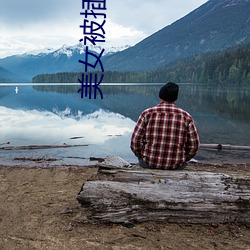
55,114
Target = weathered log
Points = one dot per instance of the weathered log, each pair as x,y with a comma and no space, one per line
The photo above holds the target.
224,147
120,195
29,147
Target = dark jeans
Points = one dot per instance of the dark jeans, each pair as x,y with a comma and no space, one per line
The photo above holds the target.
145,165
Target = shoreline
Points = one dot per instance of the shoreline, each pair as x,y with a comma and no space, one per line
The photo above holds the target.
194,166
57,157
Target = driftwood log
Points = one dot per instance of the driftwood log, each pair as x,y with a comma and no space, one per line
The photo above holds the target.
30,147
224,147
120,195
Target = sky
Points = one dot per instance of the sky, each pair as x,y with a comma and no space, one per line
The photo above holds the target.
33,25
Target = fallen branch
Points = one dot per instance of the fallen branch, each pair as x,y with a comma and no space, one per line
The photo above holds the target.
29,147
5,143
41,159
76,137
224,147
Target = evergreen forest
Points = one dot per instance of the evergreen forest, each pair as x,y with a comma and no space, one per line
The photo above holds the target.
231,66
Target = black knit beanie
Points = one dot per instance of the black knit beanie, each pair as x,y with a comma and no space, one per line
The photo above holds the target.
169,92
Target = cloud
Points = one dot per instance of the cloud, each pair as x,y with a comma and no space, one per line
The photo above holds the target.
25,12
149,15
142,15
101,131
32,24
122,35
33,127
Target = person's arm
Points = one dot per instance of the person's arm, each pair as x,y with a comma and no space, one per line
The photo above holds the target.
138,136
193,141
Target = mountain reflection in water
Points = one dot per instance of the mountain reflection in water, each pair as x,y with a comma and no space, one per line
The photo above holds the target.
55,114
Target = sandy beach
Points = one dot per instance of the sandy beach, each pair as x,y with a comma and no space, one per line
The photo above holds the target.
39,210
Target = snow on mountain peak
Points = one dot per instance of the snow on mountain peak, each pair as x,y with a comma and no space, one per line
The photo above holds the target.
75,49
80,48
40,51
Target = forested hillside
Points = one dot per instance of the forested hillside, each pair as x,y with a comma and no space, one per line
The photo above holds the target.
231,66
216,25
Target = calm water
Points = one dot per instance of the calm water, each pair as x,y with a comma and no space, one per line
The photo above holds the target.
45,115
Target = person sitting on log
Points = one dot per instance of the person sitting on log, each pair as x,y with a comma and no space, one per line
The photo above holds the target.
165,136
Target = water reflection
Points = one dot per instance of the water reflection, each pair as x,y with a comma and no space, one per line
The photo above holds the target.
29,127
228,101
54,114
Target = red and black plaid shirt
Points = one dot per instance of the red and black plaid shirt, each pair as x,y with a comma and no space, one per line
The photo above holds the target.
165,136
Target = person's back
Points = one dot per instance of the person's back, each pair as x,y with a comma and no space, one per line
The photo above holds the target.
165,136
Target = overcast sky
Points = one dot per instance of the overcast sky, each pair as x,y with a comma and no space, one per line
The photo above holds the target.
27,25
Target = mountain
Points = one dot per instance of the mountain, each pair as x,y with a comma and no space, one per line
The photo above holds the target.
64,59
214,26
7,76
4,75
230,66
